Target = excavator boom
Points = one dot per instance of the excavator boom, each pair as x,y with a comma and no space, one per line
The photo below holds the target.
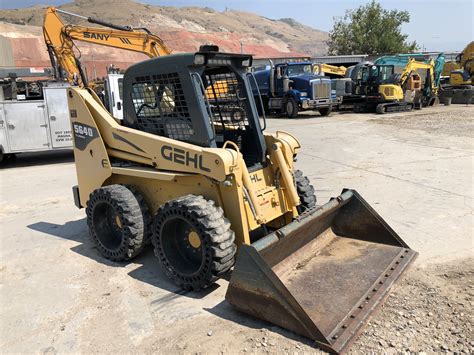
60,37
319,68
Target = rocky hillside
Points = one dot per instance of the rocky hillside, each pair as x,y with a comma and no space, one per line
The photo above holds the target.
182,29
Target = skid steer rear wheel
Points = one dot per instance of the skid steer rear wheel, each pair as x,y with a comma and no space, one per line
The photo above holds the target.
193,241
118,221
305,192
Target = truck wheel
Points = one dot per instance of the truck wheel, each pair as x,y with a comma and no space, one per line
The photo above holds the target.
325,111
117,222
380,109
305,192
193,241
291,108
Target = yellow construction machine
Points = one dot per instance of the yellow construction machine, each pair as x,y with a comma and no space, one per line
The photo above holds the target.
60,37
198,176
379,88
461,71
460,89
329,70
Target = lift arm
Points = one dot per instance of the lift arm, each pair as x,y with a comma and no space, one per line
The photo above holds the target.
60,37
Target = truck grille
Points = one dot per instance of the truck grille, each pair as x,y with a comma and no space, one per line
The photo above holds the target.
321,90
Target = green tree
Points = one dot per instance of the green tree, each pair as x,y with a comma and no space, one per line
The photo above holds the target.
370,29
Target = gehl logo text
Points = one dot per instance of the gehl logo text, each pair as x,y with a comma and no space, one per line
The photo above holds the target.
180,156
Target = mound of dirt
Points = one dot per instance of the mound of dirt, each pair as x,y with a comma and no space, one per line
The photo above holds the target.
182,29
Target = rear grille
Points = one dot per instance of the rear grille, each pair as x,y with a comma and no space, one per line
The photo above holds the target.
321,90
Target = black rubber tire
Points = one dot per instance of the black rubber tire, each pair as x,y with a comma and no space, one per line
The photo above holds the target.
108,204
147,220
293,112
380,109
325,111
305,192
193,268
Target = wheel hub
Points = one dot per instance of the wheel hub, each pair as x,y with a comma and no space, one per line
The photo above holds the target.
118,222
194,240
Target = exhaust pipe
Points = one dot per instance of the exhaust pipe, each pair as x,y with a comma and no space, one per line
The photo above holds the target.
272,78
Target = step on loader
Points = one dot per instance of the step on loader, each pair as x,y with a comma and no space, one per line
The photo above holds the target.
191,170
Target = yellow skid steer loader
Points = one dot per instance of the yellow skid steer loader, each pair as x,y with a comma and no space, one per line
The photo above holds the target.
195,174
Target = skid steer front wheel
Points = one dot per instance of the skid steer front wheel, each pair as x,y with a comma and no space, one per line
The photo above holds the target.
193,241
118,222
305,192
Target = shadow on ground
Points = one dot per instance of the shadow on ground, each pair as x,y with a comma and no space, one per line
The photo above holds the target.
226,311
148,271
38,158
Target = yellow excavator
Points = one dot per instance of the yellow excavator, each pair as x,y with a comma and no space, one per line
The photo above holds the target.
461,77
461,71
197,176
60,37
379,88
329,70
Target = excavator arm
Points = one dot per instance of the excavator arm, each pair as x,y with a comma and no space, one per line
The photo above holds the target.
413,66
319,68
60,37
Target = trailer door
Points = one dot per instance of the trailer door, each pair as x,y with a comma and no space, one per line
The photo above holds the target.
26,125
58,116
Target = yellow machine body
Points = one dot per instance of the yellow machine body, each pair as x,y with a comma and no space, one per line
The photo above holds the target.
320,272
391,92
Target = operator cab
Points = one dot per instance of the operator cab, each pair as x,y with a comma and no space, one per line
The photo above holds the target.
368,77
202,98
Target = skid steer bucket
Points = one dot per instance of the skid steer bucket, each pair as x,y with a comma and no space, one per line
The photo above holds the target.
322,275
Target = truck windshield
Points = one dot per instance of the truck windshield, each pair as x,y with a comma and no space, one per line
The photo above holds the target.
293,70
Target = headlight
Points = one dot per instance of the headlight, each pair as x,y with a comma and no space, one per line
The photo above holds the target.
304,94
199,59
246,62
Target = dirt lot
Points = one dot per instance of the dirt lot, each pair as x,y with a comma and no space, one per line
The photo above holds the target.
415,169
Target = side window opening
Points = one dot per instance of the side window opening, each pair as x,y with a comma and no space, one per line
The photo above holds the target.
230,108
120,87
160,106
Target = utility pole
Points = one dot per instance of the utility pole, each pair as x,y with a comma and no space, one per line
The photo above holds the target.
241,48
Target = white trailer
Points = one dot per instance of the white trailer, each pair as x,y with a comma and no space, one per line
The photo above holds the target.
37,124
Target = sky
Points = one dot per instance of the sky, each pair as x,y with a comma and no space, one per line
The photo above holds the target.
436,25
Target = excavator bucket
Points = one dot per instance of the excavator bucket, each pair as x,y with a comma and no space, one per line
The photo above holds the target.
323,275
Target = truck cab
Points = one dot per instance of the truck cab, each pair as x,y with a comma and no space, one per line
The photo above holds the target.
291,87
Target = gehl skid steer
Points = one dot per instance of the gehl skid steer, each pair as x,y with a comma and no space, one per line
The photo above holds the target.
194,174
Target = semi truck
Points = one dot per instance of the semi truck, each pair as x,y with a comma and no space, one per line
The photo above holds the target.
293,87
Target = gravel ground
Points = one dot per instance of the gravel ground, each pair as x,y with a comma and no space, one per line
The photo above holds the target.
430,311
458,122
415,169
